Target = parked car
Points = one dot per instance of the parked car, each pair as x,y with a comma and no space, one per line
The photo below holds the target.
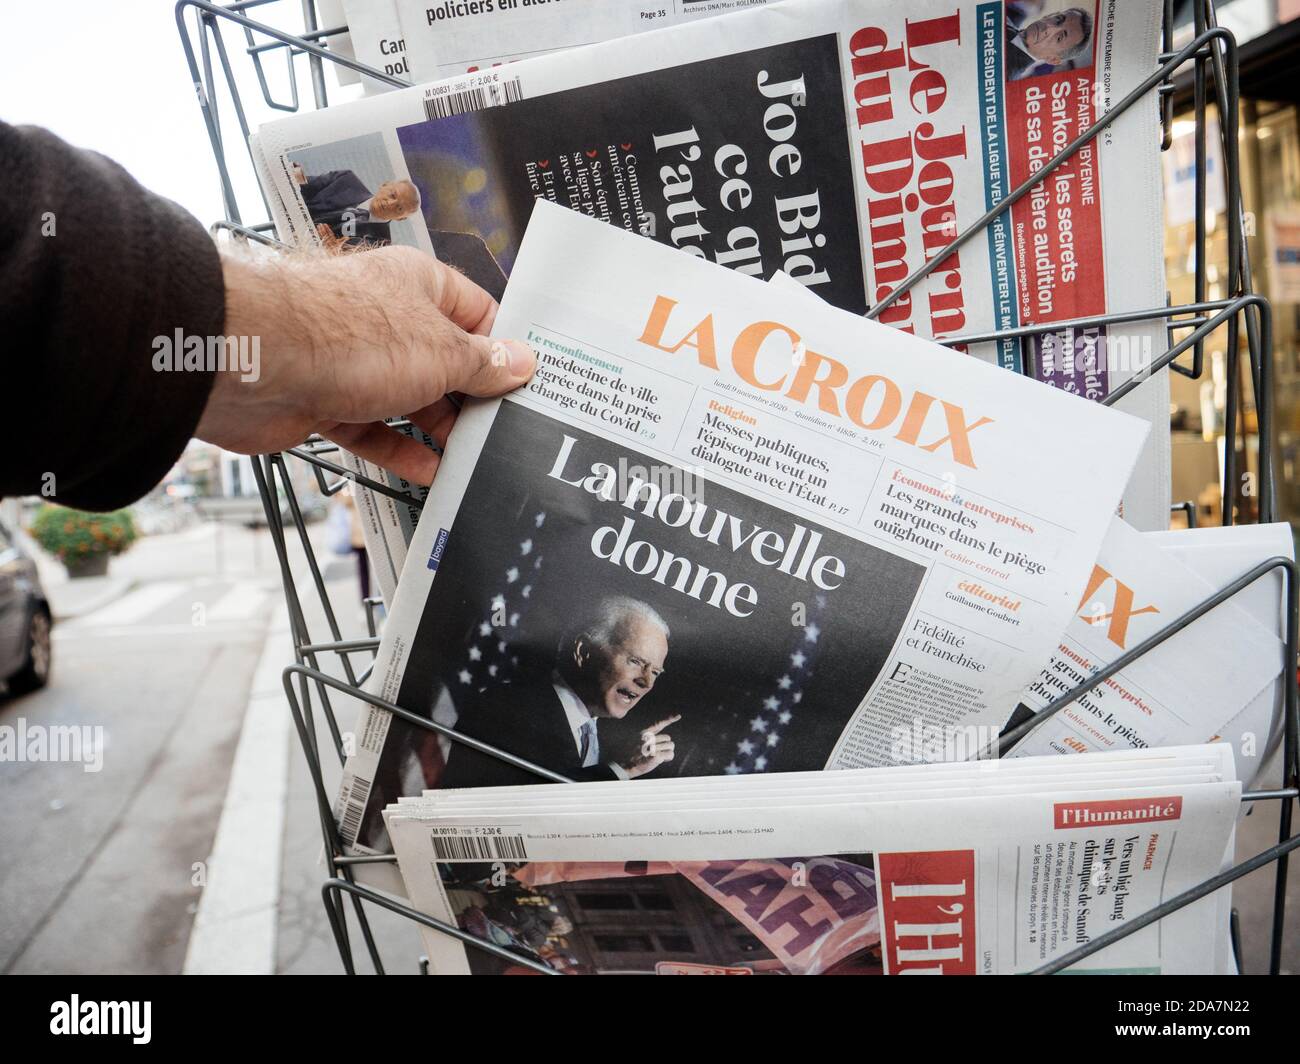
24,619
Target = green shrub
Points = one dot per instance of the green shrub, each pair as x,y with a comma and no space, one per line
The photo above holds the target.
73,535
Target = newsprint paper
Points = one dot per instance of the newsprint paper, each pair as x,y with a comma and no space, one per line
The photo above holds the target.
1186,690
842,141
1219,556
788,530
388,523
1214,680
377,37
992,868
448,37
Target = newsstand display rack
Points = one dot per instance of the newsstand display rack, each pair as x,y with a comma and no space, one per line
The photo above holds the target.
1208,61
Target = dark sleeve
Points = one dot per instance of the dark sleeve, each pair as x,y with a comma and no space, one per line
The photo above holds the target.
92,268
314,188
310,191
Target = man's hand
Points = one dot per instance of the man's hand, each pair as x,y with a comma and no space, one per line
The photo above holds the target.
348,340
329,238
656,748
298,173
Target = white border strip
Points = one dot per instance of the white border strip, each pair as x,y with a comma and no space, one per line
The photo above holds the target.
234,930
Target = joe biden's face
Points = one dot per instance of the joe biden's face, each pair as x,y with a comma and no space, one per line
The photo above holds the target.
394,200
624,672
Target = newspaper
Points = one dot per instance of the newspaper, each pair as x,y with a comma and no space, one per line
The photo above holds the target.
330,15
450,37
841,873
1185,690
843,141
1219,556
1196,687
388,523
463,37
796,533
377,39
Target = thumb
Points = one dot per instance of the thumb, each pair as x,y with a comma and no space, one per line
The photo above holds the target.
480,365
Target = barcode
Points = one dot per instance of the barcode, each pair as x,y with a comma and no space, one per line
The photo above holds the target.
458,103
350,825
479,848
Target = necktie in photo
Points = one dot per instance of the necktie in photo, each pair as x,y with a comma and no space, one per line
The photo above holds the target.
590,748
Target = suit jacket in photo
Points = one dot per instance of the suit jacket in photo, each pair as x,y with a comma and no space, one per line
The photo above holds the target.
330,197
524,719
1017,59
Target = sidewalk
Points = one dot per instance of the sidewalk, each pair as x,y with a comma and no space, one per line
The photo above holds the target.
261,910
227,551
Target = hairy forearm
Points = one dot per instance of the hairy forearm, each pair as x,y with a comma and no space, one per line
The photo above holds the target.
345,341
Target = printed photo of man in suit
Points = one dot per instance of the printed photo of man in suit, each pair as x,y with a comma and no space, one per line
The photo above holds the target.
1043,45
347,213
605,667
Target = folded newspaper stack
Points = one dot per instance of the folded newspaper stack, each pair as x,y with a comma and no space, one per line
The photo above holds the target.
984,868
1215,679
733,529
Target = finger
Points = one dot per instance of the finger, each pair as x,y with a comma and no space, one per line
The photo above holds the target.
436,419
389,449
655,729
477,365
461,300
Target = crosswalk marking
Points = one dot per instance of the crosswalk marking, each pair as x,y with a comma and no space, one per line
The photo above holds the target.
133,606
151,609
240,603
225,629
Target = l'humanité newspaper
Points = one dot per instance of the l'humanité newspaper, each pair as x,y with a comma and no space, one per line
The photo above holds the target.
725,530
845,142
994,867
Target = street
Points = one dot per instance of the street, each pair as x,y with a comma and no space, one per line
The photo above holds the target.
191,850
101,874
105,870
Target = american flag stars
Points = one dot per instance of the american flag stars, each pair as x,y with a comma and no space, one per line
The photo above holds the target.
778,708
488,655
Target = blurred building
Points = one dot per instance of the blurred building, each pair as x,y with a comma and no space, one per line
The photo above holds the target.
1268,36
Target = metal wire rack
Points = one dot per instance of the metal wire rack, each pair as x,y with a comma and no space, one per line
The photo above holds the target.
1211,59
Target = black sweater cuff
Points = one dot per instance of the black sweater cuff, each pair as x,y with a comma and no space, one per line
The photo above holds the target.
93,270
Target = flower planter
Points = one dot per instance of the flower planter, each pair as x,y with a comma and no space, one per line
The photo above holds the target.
91,565
82,541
